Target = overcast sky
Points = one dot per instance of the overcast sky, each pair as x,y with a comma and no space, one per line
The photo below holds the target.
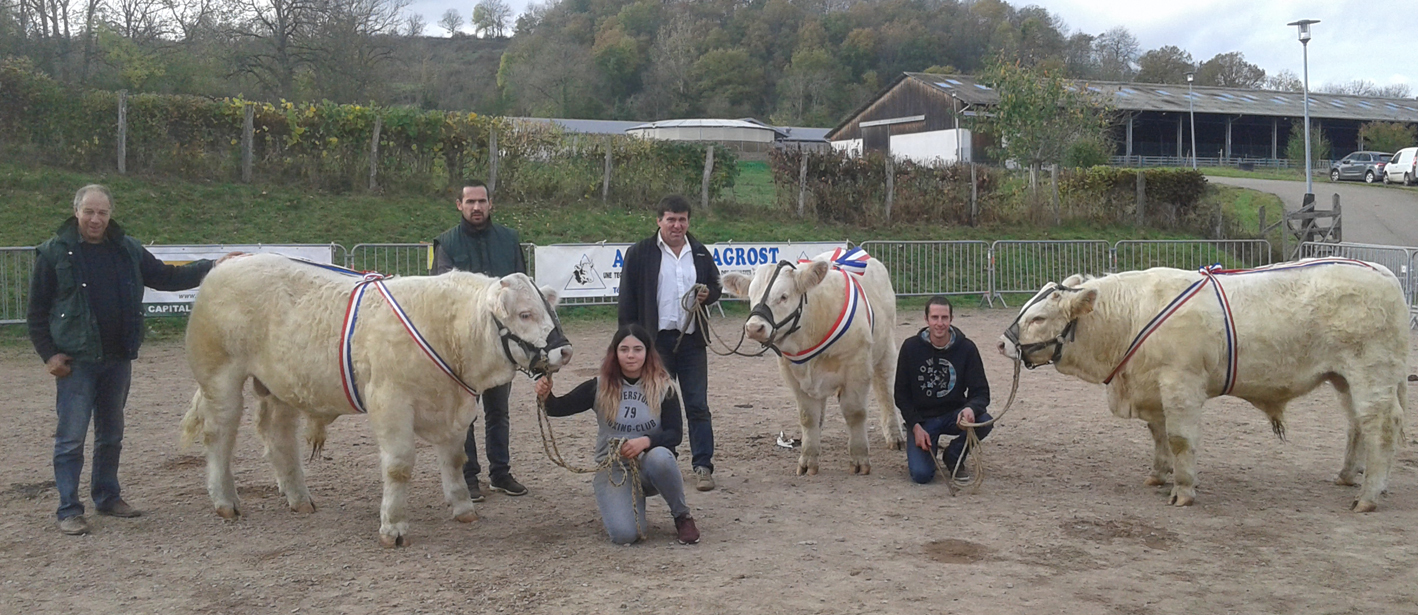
1355,40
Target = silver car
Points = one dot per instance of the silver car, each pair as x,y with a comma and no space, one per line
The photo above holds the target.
1368,166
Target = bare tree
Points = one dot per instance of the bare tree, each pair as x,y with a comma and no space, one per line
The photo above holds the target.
1364,87
276,34
350,41
451,21
1116,51
414,24
1284,81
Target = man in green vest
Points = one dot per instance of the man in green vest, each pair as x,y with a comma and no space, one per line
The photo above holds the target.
478,245
86,322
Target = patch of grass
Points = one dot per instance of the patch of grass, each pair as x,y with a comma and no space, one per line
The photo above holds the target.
754,185
1284,174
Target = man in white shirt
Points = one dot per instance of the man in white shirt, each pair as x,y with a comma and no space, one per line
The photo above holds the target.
658,274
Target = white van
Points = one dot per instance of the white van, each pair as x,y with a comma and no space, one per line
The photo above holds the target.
1403,167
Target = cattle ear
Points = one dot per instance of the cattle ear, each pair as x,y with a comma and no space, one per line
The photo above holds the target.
552,296
506,281
1073,281
736,283
811,275
1083,303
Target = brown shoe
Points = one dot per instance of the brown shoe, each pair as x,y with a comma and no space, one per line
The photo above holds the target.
685,530
704,479
121,509
74,526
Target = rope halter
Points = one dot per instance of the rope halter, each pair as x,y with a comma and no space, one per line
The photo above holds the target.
1023,350
792,322
538,357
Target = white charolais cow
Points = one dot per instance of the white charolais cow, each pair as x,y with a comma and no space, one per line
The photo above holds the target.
833,331
281,323
1291,326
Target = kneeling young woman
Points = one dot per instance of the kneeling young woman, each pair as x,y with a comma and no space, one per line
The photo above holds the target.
636,408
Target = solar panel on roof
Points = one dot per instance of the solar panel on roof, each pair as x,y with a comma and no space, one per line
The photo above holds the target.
983,87
1337,103
1365,105
1280,100
1128,90
1224,96
1250,98
1094,88
1163,92
944,85
1391,106
952,82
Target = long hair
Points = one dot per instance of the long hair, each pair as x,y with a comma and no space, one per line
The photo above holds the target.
654,380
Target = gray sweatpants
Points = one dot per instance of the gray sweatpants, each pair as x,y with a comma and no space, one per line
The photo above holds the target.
659,474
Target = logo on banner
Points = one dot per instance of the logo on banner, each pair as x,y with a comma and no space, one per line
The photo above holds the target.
584,276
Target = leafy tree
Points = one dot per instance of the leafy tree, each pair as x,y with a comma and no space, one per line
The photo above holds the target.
1168,64
1116,50
1387,136
137,67
490,17
1320,147
1230,70
806,89
729,82
1284,81
451,21
1039,118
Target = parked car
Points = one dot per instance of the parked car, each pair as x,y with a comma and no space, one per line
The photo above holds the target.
1368,166
1403,167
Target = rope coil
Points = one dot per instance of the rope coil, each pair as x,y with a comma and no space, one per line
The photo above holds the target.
974,459
630,467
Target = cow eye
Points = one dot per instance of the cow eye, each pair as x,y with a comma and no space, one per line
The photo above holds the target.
783,297
525,315
1037,320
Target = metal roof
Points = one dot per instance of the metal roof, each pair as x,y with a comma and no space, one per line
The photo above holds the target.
595,127
706,123
1126,96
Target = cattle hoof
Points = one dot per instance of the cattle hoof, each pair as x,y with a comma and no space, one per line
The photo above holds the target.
1344,481
230,513
807,470
389,542
467,517
306,507
1154,481
861,468
1363,506
1181,500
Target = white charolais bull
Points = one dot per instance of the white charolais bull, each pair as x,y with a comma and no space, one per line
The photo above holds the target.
1293,326
281,323
833,331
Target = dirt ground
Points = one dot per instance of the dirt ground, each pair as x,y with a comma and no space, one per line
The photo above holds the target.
1062,524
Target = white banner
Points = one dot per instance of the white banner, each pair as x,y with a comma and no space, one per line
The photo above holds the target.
593,270
163,303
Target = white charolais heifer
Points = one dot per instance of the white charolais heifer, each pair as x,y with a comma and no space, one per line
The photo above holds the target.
1291,326
833,331
281,323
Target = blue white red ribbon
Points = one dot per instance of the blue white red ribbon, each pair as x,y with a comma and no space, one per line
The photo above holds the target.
855,296
347,372
1210,274
852,260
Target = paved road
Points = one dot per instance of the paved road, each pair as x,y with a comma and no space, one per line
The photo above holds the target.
1386,215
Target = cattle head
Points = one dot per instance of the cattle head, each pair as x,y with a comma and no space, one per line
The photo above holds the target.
779,295
526,322
1047,322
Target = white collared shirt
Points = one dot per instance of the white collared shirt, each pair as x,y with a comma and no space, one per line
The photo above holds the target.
677,276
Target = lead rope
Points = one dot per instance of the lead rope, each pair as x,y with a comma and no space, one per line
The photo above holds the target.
700,314
973,453
631,467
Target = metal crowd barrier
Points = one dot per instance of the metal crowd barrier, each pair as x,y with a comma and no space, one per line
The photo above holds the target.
16,264
1188,254
1025,266
935,267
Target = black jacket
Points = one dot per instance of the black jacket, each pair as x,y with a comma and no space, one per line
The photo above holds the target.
640,282
932,382
493,250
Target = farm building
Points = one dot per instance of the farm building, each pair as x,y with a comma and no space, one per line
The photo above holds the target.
751,138
920,110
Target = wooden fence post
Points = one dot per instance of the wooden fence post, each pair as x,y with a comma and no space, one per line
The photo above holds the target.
890,185
123,132
1338,221
1054,193
492,157
974,196
606,178
708,171
802,182
248,135
374,152
1141,198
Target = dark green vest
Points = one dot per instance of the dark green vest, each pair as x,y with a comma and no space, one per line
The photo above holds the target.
493,251
72,323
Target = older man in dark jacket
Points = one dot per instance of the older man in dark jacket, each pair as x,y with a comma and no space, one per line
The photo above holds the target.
86,323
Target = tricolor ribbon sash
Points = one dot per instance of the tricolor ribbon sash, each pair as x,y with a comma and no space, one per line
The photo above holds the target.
852,263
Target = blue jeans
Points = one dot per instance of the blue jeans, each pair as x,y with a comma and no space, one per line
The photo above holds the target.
691,365
499,458
98,391
921,464
659,475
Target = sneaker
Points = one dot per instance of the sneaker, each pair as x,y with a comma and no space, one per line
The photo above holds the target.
77,526
685,531
706,479
120,509
475,492
508,485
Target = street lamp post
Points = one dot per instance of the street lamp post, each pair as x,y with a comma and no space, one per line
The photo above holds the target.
1304,28
1192,113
